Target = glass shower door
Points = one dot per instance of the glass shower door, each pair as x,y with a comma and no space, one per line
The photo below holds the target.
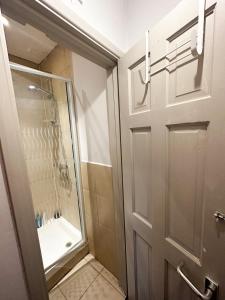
48,135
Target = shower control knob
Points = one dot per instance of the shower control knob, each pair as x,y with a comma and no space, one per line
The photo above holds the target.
219,216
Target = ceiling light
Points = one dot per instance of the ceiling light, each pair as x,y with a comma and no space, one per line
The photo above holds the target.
4,21
31,87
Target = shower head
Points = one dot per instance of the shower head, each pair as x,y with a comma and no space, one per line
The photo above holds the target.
33,87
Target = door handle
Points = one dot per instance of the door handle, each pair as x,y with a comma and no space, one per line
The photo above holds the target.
210,288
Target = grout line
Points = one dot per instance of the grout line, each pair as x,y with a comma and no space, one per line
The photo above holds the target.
99,273
87,263
95,268
90,286
57,288
118,290
62,294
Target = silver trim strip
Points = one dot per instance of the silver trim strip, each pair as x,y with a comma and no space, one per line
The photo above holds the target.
76,152
18,67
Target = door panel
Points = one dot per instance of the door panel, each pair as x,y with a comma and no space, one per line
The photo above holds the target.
189,79
173,149
185,168
143,267
141,161
139,93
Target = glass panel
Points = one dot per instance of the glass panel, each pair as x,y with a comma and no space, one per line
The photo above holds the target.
48,150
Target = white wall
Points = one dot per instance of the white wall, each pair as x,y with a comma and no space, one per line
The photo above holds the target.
142,14
106,16
12,285
123,22
91,104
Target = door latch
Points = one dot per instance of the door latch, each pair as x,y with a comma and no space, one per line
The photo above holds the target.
219,216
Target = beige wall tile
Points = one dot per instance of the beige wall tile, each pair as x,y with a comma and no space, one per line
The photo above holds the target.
91,173
59,62
101,179
106,211
87,202
105,249
100,212
84,175
89,220
89,227
91,247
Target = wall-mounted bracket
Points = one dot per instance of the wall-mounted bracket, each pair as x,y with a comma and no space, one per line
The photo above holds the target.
147,65
197,37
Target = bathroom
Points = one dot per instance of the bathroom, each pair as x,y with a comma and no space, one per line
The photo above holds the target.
111,170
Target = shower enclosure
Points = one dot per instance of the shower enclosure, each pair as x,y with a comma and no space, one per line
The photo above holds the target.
49,138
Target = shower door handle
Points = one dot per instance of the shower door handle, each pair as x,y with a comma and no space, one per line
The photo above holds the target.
210,288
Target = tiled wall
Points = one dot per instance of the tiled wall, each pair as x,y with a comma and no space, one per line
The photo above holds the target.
36,136
59,62
46,146
99,209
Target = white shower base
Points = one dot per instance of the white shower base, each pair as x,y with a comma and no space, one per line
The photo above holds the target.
53,238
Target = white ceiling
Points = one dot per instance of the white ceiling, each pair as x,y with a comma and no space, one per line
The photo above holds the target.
27,42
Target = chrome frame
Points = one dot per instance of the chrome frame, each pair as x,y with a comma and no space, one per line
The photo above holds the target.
76,156
76,153
25,69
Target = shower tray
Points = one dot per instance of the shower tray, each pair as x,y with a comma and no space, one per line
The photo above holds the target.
56,237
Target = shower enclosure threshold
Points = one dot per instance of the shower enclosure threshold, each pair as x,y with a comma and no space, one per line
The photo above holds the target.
56,238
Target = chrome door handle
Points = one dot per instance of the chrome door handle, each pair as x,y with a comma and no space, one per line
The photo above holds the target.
210,289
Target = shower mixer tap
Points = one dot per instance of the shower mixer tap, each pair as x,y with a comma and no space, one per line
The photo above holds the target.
63,169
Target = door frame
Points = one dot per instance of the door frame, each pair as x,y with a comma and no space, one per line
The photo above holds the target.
17,180
57,27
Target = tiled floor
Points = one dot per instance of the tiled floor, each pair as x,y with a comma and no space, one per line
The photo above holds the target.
89,280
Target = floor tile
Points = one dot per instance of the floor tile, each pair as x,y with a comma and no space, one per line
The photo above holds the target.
76,285
97,265
102,290
76,269
112,280
89,257
94,263
56,295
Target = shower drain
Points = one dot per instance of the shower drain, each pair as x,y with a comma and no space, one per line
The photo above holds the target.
68,244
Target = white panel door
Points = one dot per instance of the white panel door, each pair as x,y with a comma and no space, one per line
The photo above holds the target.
173,146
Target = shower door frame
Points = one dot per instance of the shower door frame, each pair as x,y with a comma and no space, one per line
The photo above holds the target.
76,156
61,28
